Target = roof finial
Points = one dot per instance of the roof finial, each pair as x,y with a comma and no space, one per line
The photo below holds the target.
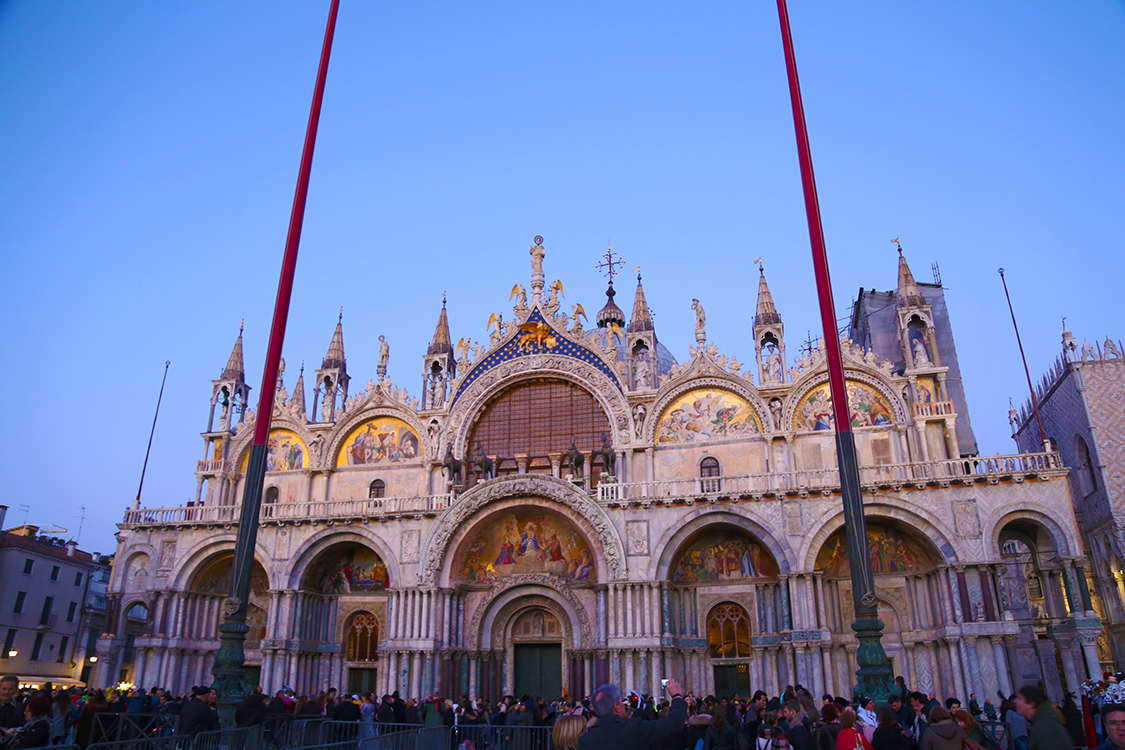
895,240
241,324
443,299
302,367
341,318
761,268
610,265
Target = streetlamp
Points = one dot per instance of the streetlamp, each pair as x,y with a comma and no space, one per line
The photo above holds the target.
93,660
13,654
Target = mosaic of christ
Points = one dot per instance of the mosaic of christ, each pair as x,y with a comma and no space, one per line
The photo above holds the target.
527,541
890,551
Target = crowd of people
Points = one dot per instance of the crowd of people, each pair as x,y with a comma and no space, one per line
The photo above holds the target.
605,720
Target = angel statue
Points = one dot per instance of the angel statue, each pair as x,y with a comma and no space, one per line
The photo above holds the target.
518,289
576,311
700,321
921,358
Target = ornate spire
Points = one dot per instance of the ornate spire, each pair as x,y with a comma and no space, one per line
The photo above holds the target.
441,343
298,398
334,359
235,369
611,313
766,313
909,295
641,320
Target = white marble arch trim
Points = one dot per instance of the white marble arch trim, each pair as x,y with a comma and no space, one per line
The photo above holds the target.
454,524
739,516
485,618
473,400
375,406
189,564
906,513
311,548
1018,511
738,386
819,376
244,438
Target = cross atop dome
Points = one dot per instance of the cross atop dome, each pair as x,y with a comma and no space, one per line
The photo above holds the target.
610,265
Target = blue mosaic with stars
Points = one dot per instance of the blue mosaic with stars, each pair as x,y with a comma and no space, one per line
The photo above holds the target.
511,350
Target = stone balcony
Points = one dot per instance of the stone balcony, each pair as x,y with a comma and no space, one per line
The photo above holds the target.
745,487
751,487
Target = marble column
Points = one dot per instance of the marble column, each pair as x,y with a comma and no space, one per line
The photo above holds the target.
1003,674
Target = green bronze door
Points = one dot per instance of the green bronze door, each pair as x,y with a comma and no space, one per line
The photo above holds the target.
538,670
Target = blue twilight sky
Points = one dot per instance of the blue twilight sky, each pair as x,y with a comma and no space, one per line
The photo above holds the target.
150,152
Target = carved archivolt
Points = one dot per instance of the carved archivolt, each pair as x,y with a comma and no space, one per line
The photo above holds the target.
672,391
523,485
472,401
815,379
548,582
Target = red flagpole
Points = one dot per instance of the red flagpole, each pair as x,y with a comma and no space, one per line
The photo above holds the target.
875,676
230,675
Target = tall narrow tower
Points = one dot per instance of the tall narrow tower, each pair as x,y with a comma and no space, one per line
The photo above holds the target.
439,368
332,378
769,336
641,339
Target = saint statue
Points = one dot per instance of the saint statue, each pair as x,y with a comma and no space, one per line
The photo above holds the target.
773,365
700,316
537,253
384,352
641,370
921,358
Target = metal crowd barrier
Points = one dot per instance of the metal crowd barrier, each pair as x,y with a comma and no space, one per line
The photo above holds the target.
1000,731
148,743
117,727
415,738
247,738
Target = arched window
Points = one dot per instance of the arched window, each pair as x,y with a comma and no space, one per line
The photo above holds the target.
378,488
363,638
272,494
1087,466
709,471
728,632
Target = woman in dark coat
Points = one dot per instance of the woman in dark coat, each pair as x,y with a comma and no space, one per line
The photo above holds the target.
95,704
720,735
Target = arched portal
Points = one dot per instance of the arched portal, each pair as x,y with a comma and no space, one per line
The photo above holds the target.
728,638
909,587
211,584
361,644
536,637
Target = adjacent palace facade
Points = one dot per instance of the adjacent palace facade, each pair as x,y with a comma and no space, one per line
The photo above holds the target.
570,505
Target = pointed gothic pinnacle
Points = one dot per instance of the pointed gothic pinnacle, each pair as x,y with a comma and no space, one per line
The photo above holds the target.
235,369
335,359
766,312
641,319
441,343
909,295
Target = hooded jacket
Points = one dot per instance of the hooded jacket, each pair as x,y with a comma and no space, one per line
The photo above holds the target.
945,735
1047,731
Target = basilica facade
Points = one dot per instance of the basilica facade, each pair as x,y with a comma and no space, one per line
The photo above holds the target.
570,505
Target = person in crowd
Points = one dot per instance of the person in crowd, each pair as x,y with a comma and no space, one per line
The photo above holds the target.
903,692
413,712
252,710
975,731
1113,722
348,709
770,734
566,732
789,720
95,704
850,736
1018,724
36,728
920,723
60,715
1046,731
385,713
974,706
199,714
903,712
1072,718
613,731
888,734
829,729
720,734
943,733
696,730
952,705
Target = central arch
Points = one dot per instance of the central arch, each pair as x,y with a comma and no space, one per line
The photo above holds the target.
524,490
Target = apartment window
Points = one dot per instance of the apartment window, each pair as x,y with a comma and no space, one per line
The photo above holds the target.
37,647
70,611
62,648
20,596
28,565
9,643
45,617
77,579
55,573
